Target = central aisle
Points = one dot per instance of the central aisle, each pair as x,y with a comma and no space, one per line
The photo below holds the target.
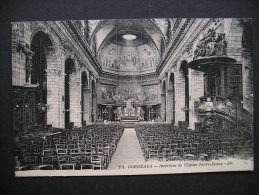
128,150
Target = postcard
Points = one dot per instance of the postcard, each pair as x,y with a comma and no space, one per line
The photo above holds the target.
132,96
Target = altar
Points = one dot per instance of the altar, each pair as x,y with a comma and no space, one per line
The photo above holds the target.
129,112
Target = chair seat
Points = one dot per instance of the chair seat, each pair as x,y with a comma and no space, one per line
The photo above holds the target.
67,166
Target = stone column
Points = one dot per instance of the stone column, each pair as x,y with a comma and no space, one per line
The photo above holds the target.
179,98
86,105
247,78
93,102
196,90
163,107
94,107
75,97
19,39
53,97
170,106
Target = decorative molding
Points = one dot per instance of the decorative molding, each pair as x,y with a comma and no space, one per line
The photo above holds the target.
181,29
188,50
65,46
216,21
197,73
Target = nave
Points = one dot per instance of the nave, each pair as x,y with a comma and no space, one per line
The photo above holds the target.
99,146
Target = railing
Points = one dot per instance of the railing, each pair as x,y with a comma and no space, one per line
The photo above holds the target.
210,105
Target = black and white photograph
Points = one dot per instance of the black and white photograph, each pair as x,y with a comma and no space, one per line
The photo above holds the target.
132,96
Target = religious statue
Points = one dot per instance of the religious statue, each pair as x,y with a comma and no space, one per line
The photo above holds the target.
28,54
119,113
211,44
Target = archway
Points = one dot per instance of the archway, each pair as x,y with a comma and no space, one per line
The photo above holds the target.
171,99
163,102
94,102
69,68
84,98
43,57
185,72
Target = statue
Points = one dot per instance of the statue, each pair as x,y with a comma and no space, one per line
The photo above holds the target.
28,54
212,44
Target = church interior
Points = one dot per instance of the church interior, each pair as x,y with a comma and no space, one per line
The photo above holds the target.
95,94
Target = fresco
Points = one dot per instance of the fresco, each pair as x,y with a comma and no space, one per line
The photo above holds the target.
150,93
130,92
128,59
106,94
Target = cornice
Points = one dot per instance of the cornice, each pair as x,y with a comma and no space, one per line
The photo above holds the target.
173,46
176,48
84,46
181,30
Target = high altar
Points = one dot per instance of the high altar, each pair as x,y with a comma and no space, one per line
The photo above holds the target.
129,112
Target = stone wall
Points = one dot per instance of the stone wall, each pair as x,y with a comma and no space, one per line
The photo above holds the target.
56,55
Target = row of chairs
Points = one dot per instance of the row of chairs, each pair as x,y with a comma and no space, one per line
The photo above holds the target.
167,142
89,147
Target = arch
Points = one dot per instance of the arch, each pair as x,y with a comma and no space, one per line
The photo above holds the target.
43,29
44,57
72,59
69,69
84,98
184,72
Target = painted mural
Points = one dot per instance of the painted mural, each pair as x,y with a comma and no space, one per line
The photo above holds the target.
127,93
129,58
150,93
147,94
106,94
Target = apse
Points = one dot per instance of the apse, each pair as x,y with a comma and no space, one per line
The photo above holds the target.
133,47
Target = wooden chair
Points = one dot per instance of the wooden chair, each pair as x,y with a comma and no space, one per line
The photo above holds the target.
63,159
97,161
74,152
67,166
47,160
87,166
60,146
153,154
174,158
45,167
61,151
27,167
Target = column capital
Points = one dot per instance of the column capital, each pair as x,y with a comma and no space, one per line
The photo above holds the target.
57,71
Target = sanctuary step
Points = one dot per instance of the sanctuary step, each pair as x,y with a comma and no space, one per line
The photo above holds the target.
130,121
129,118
